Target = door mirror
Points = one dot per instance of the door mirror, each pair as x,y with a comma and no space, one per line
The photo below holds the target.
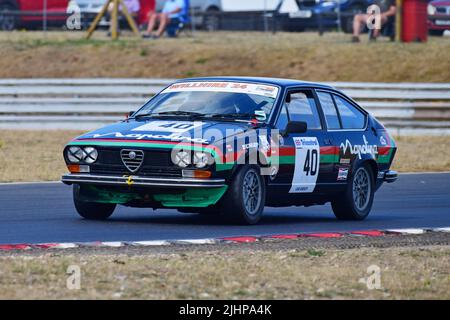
295,127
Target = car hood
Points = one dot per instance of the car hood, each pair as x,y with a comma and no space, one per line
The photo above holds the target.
168,130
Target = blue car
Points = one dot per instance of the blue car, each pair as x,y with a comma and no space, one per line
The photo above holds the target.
325,12
231,146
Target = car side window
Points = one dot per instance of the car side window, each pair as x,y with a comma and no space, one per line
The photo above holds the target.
351,117
282,118
301,106
329,110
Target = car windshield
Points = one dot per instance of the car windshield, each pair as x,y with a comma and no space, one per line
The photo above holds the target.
213,99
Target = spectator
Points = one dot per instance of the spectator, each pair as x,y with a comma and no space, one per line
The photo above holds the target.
387,9
133,7
171,12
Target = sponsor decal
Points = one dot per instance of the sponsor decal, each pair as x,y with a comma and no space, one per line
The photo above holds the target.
217,86
169,126
359,149
250,145
149,136
342,174
344,161
383,141
307,163
380,175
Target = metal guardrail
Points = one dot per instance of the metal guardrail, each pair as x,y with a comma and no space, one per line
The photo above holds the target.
89,103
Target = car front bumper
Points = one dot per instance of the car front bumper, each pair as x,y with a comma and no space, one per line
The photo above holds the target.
90,179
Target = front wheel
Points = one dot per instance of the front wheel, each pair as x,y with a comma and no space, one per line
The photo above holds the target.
245,198
356,202
92,210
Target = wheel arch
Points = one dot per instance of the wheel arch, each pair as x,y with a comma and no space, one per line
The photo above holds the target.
259,163
373,166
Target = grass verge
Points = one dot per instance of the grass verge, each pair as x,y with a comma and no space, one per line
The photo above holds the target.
38,154
406,273
292,55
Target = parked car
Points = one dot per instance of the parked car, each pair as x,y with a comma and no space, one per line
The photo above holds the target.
56,10
308,13
231,146
89,9
438,17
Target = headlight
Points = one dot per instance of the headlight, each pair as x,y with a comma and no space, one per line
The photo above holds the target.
75,154
201,159
90,155
431,9
182,158
78,154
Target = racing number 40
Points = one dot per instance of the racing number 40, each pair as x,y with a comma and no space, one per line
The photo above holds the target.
311,162
175,125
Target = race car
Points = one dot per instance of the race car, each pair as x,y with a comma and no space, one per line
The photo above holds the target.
231,146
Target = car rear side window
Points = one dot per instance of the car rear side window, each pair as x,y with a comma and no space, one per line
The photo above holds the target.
351,117
302,107
329,110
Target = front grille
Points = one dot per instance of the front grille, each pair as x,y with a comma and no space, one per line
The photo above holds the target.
155,163
132,159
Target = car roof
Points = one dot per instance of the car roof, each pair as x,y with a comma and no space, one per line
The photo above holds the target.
274,81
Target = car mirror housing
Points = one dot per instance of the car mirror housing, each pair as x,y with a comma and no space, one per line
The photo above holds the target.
295,127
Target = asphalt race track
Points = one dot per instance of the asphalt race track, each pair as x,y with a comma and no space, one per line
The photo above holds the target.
43,213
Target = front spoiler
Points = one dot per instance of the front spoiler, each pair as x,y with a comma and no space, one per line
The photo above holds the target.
141,181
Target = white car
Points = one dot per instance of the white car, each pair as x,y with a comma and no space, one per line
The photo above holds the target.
89,10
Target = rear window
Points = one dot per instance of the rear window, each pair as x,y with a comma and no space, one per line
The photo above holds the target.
351,117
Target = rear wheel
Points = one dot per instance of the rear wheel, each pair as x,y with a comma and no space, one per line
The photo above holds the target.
7,22
92,210
244,200
356,202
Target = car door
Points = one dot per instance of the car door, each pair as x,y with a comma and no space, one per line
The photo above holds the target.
346,126
301,169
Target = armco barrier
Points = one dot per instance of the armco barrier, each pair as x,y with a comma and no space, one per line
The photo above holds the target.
88,103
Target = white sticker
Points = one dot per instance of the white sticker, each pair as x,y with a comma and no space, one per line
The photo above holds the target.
169,126
307,164
342,174
217,86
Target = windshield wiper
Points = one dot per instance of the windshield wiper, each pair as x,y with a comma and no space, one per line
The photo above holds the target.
231,116
169,113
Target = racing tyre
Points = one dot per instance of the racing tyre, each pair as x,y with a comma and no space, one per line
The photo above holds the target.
7,22
356,202
91,210
244,201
